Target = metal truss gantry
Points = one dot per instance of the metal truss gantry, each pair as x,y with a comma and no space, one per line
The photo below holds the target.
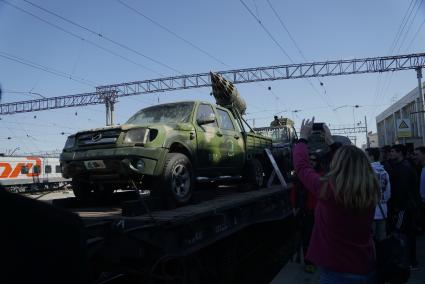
346,131
349,130
109,94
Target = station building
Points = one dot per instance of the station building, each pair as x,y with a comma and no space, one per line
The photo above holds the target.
402,123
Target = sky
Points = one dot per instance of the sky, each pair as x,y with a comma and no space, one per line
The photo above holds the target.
54,48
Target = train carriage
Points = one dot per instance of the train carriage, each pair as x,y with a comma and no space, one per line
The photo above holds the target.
30,173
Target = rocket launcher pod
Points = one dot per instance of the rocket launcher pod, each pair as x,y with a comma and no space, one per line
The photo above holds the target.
226,94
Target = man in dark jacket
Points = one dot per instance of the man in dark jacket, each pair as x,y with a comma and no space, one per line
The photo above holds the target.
403,203
40,243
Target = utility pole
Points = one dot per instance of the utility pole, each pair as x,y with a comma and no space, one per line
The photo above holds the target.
110,98
367,136
421,104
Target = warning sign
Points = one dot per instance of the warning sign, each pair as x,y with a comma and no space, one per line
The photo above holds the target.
404,128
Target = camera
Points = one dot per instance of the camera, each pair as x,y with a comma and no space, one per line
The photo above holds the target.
316,143
318,126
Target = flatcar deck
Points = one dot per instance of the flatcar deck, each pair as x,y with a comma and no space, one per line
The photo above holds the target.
115,240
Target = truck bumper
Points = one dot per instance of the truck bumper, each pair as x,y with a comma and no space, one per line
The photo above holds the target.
112,165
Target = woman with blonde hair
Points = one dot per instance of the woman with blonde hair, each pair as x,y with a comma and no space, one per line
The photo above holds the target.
341,243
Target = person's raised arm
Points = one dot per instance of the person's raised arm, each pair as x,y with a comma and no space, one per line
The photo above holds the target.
305,172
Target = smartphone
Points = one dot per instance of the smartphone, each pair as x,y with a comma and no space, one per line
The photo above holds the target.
318,126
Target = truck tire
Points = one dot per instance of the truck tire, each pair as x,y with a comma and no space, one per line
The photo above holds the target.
177,181
82,190
254,174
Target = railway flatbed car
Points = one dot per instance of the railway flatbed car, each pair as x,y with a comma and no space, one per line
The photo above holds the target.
130,241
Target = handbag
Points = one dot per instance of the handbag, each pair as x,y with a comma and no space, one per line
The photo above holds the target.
392,257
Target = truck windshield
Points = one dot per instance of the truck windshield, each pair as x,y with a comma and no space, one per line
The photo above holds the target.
277,134
168,113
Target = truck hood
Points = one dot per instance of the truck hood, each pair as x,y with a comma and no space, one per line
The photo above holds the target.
125,127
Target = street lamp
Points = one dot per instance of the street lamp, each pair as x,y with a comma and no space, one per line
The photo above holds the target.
340,107
14,150
295,111
354,119
352,106
34,93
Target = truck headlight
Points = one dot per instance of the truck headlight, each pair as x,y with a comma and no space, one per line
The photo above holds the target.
70,142
138,135
140,165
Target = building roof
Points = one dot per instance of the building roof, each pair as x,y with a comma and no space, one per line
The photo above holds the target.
410,97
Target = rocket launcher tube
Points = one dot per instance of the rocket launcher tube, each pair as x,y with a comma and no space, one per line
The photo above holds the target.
226,94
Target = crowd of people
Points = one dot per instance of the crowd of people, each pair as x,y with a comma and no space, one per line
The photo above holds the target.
353,202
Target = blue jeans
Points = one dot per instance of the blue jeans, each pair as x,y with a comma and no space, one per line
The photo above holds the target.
331,277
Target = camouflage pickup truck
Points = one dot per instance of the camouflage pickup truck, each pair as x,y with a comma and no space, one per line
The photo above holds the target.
168,149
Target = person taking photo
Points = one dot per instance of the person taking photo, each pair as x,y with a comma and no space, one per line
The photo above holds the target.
341,243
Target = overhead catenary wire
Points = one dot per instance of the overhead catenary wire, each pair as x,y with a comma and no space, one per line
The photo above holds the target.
82,38
394,43
278,44
401,43
287,55
127,48
290,36
415,35
256,8
102,36
46,69
171,32
401,27
208,54
382,86
403,40
26,93
400,38
267,31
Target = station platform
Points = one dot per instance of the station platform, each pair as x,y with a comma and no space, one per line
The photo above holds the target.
293,272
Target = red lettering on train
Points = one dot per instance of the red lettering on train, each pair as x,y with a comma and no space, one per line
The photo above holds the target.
10,172
37,164
17,170
7,170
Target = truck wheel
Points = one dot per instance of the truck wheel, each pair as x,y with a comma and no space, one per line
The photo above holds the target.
82,190
254,173
177,182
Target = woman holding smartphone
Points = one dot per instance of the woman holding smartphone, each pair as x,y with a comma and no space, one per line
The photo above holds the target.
341,243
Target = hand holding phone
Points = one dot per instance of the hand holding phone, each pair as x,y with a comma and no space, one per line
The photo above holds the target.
318,126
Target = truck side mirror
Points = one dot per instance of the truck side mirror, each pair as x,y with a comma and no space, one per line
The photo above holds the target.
206,119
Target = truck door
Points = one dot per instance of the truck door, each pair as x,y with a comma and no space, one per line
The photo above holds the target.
208,137
232,147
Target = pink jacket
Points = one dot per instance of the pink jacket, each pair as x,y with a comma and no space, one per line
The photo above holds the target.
341,240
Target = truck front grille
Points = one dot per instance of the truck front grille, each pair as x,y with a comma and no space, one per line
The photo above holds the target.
98,138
